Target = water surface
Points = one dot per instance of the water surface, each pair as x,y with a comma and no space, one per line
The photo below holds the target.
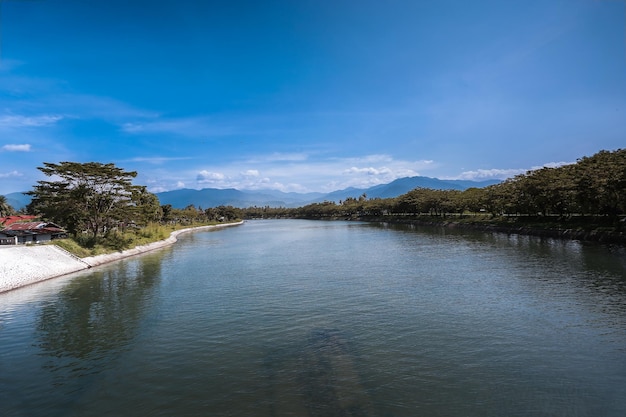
311,318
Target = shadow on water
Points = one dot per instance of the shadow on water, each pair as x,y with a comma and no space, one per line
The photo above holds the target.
317,378
85,328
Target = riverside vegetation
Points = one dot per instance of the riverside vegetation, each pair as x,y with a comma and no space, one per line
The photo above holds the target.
122,238
103,211
587,199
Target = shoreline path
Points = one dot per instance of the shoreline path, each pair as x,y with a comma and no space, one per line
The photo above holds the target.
25,265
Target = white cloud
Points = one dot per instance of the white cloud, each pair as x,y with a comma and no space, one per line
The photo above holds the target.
158,189
12,174
502,174
369,175
180,184
304,175
254,183
24,147
250,179
250,173
208,177
289,188
488,174
19,121
369,171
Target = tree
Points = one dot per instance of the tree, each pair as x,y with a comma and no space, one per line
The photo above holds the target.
92,197
601,181
229,212
167,211
472,199
5,207
147,206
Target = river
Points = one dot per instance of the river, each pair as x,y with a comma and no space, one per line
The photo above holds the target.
314,318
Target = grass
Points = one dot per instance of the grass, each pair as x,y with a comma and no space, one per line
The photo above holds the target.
117,241
73,247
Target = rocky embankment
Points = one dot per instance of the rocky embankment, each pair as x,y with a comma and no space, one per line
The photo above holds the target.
25,265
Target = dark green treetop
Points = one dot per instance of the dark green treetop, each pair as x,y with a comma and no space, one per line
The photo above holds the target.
91,197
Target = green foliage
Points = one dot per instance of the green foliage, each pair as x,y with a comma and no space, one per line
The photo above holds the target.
145,206
118,215
104,212
153,232
92,197
593,186
72,246
191,215
5,207
84,245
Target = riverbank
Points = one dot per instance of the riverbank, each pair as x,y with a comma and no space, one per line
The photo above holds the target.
552,230
26,265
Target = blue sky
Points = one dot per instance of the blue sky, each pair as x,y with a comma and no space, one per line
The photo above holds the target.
308,95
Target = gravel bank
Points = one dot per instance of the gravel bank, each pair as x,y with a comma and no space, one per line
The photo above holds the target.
25,265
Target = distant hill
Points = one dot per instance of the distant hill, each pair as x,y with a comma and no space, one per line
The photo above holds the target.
208,197
212,197
404,185
18,200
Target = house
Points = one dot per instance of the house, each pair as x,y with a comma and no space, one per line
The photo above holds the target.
20,232
9,220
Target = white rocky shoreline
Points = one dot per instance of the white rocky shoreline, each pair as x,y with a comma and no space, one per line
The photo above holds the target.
25,265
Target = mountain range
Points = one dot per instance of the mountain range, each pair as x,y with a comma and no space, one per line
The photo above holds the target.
213,197
18,200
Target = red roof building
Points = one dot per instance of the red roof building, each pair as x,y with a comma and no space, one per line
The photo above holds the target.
29,232
9,220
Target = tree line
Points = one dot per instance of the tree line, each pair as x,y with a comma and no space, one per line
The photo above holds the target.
93,201
96,199
593,186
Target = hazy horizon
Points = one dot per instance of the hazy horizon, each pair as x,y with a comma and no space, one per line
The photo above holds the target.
481,182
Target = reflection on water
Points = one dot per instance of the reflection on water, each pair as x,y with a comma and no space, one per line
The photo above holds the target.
82,329
597,267
298,318
93,318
